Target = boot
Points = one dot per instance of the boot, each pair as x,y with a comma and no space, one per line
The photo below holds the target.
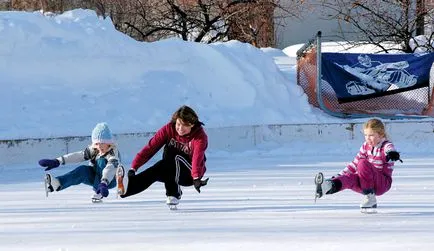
369,201
322,186
171,200
51,183
97,198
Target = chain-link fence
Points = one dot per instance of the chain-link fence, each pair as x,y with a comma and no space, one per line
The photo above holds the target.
414,103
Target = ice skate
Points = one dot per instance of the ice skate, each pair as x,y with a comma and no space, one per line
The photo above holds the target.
322,186
51,184
121,180
97,198
172,202
369,210
369,204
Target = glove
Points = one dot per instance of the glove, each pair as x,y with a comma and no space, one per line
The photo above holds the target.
131,173
49,163
197,183
393,156
335,176
103,189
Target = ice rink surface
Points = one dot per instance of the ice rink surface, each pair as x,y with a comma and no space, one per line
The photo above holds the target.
250,203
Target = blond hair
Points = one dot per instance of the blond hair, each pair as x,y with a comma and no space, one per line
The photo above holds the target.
377,126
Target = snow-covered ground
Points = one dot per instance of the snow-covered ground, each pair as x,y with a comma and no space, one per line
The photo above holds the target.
60,75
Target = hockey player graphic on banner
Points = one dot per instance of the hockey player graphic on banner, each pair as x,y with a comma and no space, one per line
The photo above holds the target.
361,76
376,76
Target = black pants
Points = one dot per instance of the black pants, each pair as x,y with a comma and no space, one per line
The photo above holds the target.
173,172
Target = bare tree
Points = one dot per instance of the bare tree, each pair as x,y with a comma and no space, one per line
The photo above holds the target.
379,22
198,20
420,22
203,21
52,6
5,4
254,23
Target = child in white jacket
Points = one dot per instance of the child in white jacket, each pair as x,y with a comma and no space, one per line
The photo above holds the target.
103,157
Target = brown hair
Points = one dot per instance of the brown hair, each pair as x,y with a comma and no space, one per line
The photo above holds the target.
187,115
377,126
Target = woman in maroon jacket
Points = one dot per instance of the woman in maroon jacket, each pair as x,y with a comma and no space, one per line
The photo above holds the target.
183,162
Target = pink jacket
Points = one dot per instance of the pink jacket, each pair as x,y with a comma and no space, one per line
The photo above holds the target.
375,155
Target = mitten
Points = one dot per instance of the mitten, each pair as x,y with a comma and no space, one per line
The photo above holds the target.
49,163
393,156
103,189
197,183
131,172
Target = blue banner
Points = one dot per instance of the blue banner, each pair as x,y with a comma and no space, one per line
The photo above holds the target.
362,76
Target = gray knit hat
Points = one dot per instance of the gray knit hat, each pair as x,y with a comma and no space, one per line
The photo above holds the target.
102,134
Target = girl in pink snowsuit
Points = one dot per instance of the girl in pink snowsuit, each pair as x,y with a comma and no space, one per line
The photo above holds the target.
370,173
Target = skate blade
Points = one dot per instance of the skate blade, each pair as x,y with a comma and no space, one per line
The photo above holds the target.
317,196
318,192
120,182
319,179
369,210
48,187
121,190
96,200
172,207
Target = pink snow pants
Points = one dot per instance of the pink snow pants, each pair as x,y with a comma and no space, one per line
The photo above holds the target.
366,177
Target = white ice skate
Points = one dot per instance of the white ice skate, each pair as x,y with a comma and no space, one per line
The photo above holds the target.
121,180
97,198
369,204
172,202
322,186
51,184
